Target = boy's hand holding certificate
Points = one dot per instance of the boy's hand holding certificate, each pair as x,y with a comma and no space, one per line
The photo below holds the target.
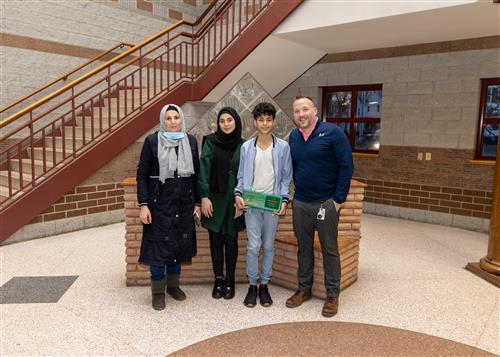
262,200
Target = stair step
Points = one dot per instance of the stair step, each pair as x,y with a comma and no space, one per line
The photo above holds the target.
4,191
114,104
38,153
15,179
100,113
26,165
68,141
136,93
99,117
68,132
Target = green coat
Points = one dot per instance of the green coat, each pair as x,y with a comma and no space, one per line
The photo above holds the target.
222,220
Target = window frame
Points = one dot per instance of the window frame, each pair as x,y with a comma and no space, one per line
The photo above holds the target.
352,119
482,121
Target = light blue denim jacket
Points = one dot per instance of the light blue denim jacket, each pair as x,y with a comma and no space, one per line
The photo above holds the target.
282,164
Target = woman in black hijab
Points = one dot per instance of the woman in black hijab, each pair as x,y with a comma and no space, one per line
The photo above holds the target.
219,162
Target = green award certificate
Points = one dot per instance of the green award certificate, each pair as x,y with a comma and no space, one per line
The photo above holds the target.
262,200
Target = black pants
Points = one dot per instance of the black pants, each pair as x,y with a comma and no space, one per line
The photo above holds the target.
224,245
305,221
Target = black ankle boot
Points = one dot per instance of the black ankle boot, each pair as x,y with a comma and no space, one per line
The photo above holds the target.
218,289
264,296
228,289
251,298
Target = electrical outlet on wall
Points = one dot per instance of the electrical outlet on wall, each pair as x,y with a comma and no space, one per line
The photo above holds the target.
428,156
419,156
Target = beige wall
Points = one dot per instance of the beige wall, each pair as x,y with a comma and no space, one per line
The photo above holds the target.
42,40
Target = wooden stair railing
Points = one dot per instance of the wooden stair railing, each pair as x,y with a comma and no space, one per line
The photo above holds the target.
52,145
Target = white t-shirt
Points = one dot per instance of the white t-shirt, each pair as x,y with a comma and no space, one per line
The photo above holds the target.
263,175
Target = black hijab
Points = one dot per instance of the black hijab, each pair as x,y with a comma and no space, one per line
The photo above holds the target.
225,146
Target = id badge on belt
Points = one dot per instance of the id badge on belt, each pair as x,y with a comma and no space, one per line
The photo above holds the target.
321,213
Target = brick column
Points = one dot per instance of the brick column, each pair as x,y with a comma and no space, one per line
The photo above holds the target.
349,235
198,271
136,274
285,262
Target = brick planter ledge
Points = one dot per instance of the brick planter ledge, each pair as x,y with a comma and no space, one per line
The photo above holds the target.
285,259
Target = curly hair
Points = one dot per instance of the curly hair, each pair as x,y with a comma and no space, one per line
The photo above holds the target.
264,108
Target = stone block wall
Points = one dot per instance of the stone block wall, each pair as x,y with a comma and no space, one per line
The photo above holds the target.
430,104
188,10
42,40
428,100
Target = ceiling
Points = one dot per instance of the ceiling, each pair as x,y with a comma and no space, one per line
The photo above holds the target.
319,27
408,23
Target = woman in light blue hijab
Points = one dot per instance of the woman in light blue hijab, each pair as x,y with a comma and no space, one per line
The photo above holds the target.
166,192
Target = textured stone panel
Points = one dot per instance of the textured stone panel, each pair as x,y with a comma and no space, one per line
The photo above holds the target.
244,95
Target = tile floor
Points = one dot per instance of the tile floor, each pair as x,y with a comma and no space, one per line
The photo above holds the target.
411,276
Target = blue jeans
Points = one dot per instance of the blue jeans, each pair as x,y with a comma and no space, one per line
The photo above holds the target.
261,229
158,271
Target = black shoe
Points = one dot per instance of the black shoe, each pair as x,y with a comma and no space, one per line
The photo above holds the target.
228,289
217,291
251,298
264,296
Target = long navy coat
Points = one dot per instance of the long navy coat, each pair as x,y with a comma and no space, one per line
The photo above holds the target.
171,237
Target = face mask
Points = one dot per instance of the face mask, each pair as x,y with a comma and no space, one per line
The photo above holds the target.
178,135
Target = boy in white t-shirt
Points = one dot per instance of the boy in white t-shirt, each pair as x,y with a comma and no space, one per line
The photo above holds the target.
265,166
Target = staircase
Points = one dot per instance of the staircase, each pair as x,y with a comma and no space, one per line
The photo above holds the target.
53,145
58,145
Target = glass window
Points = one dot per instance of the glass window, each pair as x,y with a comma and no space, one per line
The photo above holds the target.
489,119
492,108
356,110
368,105
490,140
344,127
339,104
367,136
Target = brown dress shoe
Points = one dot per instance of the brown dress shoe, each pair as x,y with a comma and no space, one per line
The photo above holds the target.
298,298
330,307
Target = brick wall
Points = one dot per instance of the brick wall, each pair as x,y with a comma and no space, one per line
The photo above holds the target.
447,167
464,202
83,200
449,183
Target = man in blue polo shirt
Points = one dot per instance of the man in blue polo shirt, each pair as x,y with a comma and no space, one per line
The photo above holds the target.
322,171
